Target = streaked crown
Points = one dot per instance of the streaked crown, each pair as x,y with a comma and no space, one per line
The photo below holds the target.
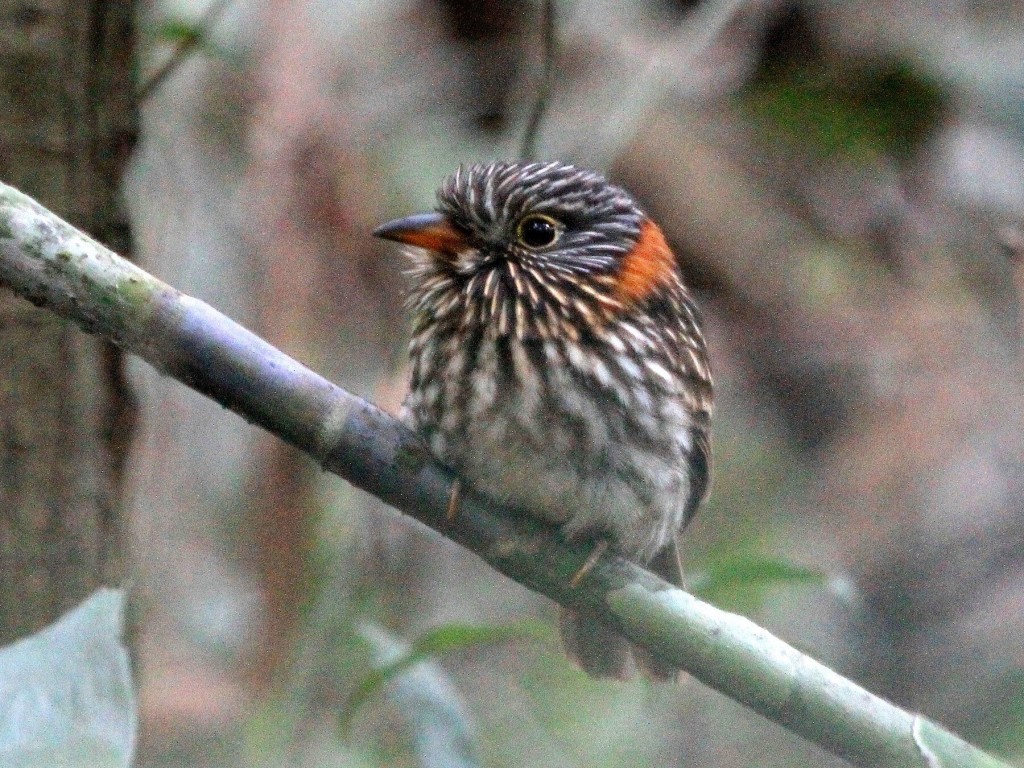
596,223
533,249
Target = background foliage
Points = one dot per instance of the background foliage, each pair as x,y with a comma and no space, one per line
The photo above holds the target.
843,182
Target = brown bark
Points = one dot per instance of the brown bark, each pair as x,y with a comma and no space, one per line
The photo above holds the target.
66,127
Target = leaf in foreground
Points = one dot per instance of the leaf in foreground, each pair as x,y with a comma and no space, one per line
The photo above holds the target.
66,694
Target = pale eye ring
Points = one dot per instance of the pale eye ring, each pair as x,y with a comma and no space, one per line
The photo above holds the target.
536,230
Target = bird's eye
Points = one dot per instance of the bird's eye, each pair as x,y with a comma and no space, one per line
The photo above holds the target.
538,231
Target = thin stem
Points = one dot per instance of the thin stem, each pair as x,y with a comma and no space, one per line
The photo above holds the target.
184,49
540,104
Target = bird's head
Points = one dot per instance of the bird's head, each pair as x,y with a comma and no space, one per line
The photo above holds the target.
534,249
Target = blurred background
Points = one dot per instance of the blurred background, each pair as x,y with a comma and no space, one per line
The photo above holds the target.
844,182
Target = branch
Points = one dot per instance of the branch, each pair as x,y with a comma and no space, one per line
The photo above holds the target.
53,265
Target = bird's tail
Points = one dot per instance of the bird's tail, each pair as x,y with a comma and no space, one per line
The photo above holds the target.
596,648
602,652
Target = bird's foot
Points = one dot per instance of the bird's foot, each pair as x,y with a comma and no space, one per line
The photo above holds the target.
454,499
599,549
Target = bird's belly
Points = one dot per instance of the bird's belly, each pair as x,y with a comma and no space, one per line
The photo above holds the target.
635,501
563,454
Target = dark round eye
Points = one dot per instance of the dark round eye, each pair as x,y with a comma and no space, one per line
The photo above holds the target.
538,231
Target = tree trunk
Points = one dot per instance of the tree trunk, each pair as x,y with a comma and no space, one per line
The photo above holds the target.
68,119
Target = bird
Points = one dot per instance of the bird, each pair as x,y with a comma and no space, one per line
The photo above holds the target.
559,368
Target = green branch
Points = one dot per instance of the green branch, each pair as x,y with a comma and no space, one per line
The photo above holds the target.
54,265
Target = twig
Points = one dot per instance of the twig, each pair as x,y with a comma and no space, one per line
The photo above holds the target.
639,87
540,104
1011,241
184,49
47,261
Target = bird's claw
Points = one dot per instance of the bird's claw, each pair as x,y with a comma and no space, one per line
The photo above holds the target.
454,499
599,549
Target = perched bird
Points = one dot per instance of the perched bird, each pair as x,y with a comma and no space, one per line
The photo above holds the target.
559,367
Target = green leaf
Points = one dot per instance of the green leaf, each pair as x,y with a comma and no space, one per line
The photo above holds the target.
859,113
66,693
180,31
453,637
434,642
741,581
1000,728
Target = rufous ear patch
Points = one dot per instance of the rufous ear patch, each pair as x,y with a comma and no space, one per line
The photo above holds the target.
649,264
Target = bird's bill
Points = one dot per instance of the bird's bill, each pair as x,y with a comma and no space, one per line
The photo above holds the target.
433,231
